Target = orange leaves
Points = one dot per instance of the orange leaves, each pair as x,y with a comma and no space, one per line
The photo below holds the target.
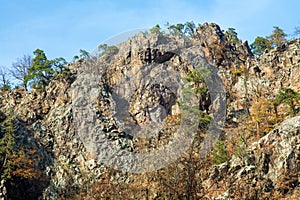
173,119
17,160
263,116
24,163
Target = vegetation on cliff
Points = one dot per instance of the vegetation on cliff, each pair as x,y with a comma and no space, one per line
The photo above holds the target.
255,157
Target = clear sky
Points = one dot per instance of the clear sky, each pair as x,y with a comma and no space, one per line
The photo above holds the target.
62,27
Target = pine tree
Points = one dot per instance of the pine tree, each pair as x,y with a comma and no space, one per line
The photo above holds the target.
41,71
259,45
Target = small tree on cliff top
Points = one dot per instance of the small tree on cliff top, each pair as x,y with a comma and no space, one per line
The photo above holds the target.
4,79
41,70
20,69
231,36
277,37
259,45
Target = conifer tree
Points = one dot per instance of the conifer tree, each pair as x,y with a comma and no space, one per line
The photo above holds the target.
41,71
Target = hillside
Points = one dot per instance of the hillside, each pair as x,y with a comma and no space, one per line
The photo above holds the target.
113,127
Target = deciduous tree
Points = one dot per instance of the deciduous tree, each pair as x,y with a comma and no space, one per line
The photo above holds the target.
20,69
277,37
297,31
263,117
4,79
18,162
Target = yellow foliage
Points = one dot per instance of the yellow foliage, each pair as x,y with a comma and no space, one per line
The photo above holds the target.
173,119
24,164
263,116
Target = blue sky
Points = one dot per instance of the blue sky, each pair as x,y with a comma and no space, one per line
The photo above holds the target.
62,27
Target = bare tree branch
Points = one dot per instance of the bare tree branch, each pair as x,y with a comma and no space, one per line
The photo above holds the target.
297,31
4,78
20,69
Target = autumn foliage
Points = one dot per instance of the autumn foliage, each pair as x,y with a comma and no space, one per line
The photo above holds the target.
18,162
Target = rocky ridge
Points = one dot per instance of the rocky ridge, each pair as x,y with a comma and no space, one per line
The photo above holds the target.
46,118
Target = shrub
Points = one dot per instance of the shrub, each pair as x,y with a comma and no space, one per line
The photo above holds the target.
289,97
219,153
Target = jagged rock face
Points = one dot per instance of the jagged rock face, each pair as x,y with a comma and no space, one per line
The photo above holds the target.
232,59
142,92
270,163
70,166
148,57
247,78
281,65
219,49
49,114
265,75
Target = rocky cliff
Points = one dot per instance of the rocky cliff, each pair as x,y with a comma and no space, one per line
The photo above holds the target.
52,123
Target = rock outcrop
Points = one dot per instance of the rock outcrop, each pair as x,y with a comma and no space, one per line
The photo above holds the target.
48,120
269,169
